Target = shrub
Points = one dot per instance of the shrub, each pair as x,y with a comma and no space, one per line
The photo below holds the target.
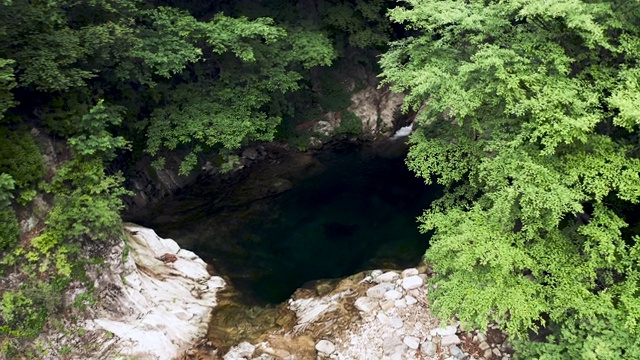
20,158
9,228
350,124
25,311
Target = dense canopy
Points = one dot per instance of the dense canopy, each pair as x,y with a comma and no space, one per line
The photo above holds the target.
528,113
528,116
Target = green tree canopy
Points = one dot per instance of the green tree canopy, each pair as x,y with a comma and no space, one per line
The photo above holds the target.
180,81
529,115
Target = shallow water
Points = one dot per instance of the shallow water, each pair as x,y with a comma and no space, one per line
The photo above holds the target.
359,213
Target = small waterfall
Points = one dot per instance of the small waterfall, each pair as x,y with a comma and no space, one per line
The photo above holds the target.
403,132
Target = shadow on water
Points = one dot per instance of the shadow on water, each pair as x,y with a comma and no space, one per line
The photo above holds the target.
359,213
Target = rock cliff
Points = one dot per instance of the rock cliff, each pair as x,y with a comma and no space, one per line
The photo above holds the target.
155,298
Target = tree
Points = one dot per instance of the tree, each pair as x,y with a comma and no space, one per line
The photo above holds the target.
528,114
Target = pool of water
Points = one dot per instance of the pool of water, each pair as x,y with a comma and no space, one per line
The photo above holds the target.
359,213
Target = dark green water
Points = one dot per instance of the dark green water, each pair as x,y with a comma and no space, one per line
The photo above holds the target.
359,213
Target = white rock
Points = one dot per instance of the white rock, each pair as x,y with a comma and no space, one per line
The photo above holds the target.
448,330
378,291
264,357
449,340
384,319
366,304
412,282
241,351
396,322
156,313
410,300
412,342
410,272
400,303
389,276
387,305
392,295
393,348
325,347
376,273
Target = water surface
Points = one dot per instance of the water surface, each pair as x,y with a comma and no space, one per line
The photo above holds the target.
359,213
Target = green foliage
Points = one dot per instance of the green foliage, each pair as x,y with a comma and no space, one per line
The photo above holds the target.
349,124
528,118
9,228
24,312
207,114
87,203
7,82
578,338
94,139
362,23
20,158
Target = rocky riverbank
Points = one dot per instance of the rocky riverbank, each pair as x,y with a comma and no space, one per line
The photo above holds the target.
370,315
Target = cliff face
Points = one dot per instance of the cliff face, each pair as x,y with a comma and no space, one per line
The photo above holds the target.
155,298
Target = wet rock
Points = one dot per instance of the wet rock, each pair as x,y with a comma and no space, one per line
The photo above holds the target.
241,351
366,304
325,347
412,282
250,153
264,357
412,342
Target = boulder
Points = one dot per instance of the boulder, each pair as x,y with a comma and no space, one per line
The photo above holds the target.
379,290
449,340
412,282
412,342
392,295
366,304
410,272
387,277
244,350
325,347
